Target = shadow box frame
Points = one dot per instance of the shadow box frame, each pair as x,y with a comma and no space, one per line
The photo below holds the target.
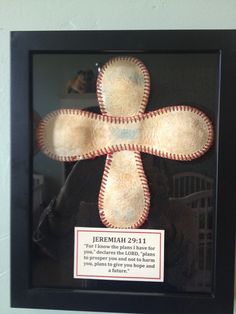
24,44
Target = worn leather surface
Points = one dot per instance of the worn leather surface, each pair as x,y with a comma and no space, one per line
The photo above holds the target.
123,87
121,132
171,131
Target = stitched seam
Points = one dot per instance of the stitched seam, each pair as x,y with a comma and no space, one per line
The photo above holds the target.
146,191
144,71
126,119
109,158
102,192
145,187
121,147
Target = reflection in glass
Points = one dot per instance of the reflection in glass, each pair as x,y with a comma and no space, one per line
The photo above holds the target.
65,194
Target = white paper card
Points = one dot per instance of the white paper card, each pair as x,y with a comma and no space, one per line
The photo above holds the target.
119,254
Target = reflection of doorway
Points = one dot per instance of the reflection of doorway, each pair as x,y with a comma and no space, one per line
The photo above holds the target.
196,191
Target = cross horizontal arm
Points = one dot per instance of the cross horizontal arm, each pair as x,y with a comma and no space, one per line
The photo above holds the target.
175,132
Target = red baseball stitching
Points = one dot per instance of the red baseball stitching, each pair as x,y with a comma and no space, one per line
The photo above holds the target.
121,147
130,147
126,119
121,119
145,187
146,77
146,191
102,192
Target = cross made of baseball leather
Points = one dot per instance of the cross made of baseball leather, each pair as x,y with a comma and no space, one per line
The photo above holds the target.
121,132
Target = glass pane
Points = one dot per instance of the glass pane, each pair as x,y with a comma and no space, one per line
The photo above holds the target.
66,193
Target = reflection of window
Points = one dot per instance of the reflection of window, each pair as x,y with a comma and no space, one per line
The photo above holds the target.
208,256
209,236
201,256
195,190
209,220
202,220
201,236
205,252
189,182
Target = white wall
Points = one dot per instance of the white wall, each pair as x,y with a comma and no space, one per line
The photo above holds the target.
78,15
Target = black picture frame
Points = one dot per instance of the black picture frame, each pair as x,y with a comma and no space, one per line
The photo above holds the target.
23,45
